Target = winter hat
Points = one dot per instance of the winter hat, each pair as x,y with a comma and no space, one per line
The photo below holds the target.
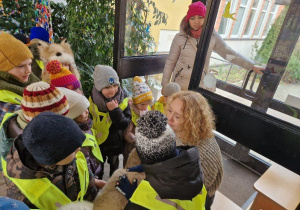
50,137
12,52
61,76
155,140
77,103
171,88
9,203
105,76
141,91
196,8
39,33
40,97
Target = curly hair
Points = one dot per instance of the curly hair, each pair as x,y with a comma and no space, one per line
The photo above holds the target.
198,119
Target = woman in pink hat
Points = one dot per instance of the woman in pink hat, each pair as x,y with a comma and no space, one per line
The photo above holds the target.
180,62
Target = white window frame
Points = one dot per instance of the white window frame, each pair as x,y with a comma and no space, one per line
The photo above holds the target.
264,20
243,21
272,20
229,22
252,26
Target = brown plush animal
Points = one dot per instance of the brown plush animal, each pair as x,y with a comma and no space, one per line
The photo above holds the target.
109,197
64,54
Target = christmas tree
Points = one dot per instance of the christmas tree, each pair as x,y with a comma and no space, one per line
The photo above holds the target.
17,16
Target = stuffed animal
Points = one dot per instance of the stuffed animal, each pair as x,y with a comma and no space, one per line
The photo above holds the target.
64,54
37,46
109,197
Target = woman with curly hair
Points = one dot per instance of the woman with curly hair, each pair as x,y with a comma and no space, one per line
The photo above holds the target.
192,120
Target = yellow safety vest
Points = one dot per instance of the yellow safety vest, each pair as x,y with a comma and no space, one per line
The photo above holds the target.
135,117
102,125
10,97
159,106
90,141
6,116
40,64
147,197
45,195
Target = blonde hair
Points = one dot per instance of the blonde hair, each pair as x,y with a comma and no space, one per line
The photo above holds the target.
198,118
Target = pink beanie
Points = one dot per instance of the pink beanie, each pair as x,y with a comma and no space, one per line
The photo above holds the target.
197,8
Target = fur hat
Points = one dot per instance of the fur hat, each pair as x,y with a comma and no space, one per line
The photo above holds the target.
196,8
39,33
40,97
77,103
50,138
105,76
12,52
155,140
171,88
61,76
141,91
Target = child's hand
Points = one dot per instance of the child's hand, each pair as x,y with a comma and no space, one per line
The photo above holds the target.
100,183
112,105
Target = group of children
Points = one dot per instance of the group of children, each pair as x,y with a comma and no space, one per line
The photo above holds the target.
50,123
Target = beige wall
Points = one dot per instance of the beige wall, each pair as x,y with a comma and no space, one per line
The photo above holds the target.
176,11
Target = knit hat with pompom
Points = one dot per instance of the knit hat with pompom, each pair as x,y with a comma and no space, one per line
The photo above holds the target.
155,140
141,91
61,76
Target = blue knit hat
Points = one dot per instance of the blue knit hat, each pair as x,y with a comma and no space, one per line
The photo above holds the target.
9,203
39,33
50,137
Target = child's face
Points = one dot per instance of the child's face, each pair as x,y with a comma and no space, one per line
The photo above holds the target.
83,118
22,71
110,91
143,106
175,115
68,159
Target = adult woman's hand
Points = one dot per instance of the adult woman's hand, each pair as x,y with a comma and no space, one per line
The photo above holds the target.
258,69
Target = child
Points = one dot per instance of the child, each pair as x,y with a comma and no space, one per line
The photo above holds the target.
171,173
111,114
15,73
46,97
42,167
192,120
62,77
167,91
142,98
80,114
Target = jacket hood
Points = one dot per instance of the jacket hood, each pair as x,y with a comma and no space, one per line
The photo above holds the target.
182,28
22,165
179,177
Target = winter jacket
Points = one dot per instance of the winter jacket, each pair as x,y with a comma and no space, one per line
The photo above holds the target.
180,61
22,165
114,144
176,178
211,162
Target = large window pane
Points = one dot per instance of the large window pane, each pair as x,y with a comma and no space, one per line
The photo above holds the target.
261,18
238,22
249,22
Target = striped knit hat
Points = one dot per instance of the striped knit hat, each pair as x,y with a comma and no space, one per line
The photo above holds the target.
61,76
40,97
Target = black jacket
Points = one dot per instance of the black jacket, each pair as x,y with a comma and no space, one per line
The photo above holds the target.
177,178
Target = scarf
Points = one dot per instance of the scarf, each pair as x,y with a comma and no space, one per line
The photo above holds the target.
86,126
9,82
196,34
100,100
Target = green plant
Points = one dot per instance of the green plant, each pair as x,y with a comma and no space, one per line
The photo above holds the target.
59,21
17,16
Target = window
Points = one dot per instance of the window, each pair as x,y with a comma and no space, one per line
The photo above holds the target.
261,20
252,17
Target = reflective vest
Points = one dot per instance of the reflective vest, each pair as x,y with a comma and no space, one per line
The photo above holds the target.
147,197
40,63
6,116
10,97
45,195
102,121
90,141
135,117
159,106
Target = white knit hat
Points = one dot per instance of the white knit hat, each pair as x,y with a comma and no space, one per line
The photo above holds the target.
171,88
141,91
77,103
